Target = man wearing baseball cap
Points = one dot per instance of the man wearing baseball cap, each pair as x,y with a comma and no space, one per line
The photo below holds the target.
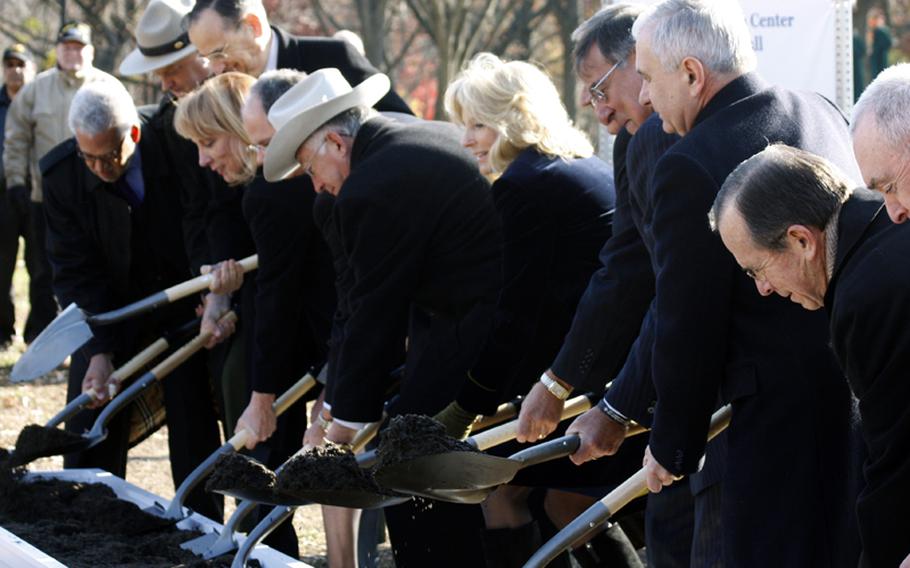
35,123
18,70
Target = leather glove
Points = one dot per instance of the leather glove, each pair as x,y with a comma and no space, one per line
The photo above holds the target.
457,420
19,197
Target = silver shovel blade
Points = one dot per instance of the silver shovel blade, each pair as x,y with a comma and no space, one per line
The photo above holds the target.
65,334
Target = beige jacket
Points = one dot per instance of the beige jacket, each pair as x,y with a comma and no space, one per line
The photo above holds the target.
37,121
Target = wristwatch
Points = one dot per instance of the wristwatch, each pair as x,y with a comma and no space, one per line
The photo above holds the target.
554,387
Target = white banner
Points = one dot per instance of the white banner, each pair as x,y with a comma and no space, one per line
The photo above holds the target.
796,45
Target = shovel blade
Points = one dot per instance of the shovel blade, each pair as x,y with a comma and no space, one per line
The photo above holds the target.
68,332
450,471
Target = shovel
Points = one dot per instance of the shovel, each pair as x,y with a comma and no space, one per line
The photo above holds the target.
468,477
71,328
175,510
98,432
504,411
601,511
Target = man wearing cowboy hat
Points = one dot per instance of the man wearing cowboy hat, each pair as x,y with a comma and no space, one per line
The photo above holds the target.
421,242
35,123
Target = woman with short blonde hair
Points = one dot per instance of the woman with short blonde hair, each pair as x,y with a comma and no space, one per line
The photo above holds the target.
520,103
210,117
555,201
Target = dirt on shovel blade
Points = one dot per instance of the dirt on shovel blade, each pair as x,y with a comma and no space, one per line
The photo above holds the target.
35,441
235,471
327,468
412,436
86,525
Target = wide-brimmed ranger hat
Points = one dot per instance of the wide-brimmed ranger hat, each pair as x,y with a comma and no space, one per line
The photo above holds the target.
308,105
160,36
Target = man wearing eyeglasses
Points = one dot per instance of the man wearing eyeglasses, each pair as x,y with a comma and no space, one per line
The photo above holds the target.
114,236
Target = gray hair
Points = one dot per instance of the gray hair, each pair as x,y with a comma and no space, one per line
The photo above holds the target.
347,123
712,31
272,84
779,187
101,105
887,100
610,29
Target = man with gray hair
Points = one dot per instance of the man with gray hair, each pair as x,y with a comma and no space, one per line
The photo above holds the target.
796,225
113,236
708,338
881,135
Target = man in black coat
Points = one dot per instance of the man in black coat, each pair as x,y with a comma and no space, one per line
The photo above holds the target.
421,242
114,237
708,337
796,223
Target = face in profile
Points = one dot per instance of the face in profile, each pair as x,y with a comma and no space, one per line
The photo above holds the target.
181,77
224,154
612,91
478,138
257,125
885,169
224,47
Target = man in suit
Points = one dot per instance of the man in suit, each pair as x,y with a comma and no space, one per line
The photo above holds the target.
707,338
795,223
114,237
881,132
421,239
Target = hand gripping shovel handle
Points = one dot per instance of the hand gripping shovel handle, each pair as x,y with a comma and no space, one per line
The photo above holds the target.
118,376
507,432
160,371
172,294
601,511
235,442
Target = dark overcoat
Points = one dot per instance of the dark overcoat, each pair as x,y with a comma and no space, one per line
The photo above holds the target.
712,336
869,308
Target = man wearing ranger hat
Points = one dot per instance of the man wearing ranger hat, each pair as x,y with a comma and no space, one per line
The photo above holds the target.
36,122
421,241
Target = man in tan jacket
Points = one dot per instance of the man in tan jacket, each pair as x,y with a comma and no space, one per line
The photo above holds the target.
35,123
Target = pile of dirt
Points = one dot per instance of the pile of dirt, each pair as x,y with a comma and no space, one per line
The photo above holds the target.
37,441
327,468
86,525
412,436
10,474
233,470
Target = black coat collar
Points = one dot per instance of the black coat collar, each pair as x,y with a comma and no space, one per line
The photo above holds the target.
858,214
736,90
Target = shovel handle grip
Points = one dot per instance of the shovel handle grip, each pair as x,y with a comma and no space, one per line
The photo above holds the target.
289,397
364,436
508,432
503,412
201,283
174,360
129,368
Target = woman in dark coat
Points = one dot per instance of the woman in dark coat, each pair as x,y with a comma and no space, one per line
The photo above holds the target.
556,201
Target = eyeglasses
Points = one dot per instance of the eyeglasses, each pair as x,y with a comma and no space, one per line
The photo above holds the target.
111,157
596,90
758,273
308,169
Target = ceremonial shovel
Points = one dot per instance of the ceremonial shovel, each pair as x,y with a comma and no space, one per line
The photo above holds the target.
71,329
601,511
98,432
237,441
469,477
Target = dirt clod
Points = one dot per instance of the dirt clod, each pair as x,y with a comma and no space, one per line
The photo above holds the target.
233,471
327,468
36,441
412,436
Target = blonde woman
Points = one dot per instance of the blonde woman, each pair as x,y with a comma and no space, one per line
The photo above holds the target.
556,202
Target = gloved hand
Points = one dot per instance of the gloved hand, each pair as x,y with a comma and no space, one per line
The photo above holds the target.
457,420
19,198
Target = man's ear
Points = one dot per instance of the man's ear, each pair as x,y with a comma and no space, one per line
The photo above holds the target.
804,240
135,133
695,74
255,24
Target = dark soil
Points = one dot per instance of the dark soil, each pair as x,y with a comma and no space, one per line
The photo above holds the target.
412,436
327,468
86,525
36,441
233,471
9,475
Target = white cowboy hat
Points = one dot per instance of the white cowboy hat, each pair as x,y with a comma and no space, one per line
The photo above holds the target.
160,36
308,105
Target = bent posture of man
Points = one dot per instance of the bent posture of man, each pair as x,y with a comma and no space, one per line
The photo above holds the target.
795,223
